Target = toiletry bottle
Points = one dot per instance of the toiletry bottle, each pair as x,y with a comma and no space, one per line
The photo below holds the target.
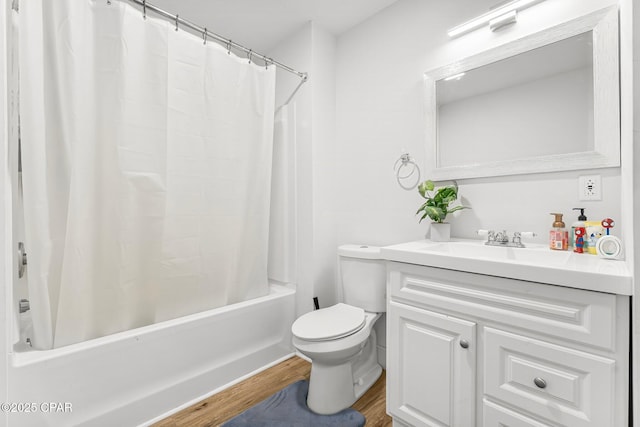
558,236
582,234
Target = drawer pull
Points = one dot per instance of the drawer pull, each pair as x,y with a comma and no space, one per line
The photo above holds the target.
541,383
464,343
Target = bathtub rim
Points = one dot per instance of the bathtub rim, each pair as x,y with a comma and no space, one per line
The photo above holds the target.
20,359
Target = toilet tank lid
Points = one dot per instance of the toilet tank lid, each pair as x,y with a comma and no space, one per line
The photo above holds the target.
359,251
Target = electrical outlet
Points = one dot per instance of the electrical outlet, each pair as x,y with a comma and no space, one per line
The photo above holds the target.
590,187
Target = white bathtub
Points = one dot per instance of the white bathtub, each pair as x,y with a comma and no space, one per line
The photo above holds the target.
139,376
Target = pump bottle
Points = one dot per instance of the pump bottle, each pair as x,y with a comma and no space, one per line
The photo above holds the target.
581,235
558,236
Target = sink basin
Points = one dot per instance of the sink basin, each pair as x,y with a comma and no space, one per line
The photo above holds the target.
535,263
537,254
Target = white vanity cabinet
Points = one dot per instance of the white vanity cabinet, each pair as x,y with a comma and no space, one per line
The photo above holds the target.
468,349
441,393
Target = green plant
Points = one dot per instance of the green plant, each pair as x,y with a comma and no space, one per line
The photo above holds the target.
437,205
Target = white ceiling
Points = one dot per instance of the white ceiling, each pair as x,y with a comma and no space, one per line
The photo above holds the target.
261,24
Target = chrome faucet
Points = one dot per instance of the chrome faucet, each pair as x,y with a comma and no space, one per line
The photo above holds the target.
502,238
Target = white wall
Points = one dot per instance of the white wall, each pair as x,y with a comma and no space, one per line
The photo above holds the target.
380,66
312,49
5,233
347,145
323,154
380,114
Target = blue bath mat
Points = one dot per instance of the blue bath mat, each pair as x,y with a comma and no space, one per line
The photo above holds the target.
288,408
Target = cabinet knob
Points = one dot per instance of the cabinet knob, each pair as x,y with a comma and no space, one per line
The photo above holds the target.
539,382
464,343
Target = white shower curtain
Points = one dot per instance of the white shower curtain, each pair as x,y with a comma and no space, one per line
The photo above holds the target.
146,169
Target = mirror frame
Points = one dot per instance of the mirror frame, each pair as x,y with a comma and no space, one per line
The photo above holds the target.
606,101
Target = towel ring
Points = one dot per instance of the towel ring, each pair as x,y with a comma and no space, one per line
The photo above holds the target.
405,161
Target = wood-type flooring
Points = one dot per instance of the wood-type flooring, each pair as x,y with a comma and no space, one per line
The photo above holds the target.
230,402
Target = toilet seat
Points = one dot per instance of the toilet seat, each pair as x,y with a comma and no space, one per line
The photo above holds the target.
326,324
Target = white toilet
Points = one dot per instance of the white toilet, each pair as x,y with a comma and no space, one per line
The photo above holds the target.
340,340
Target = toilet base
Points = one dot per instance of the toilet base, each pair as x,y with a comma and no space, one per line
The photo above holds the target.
330,388
333,388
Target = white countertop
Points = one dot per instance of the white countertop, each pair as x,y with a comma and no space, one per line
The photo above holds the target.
535,263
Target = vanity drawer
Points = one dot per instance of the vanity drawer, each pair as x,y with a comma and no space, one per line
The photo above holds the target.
497,416
569,386
584,317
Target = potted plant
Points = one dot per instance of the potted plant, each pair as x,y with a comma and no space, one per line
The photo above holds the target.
436,207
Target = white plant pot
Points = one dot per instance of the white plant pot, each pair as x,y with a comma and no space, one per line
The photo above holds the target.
440,232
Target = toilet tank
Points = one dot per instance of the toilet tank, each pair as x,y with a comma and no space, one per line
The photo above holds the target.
363,277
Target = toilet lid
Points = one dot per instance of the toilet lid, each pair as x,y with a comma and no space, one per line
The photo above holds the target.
329,323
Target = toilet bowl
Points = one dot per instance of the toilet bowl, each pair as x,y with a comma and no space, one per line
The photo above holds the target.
340,340
343,367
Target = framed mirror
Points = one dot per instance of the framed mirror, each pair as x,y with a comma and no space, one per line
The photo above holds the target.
546,102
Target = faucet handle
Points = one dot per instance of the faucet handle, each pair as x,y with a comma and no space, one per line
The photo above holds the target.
491,235
518,235
525,234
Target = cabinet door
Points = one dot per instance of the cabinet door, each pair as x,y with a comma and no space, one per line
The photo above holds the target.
430,368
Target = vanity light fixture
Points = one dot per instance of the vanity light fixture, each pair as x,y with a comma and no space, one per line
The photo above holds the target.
455,77
496,18
504,20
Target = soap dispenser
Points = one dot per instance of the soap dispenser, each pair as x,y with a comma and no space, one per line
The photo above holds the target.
558,236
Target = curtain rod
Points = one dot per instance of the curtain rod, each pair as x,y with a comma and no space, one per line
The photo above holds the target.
206,33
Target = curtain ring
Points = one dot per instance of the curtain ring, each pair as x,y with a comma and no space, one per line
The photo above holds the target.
204,36
250,55
177,21
229,46
144,9
266,62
